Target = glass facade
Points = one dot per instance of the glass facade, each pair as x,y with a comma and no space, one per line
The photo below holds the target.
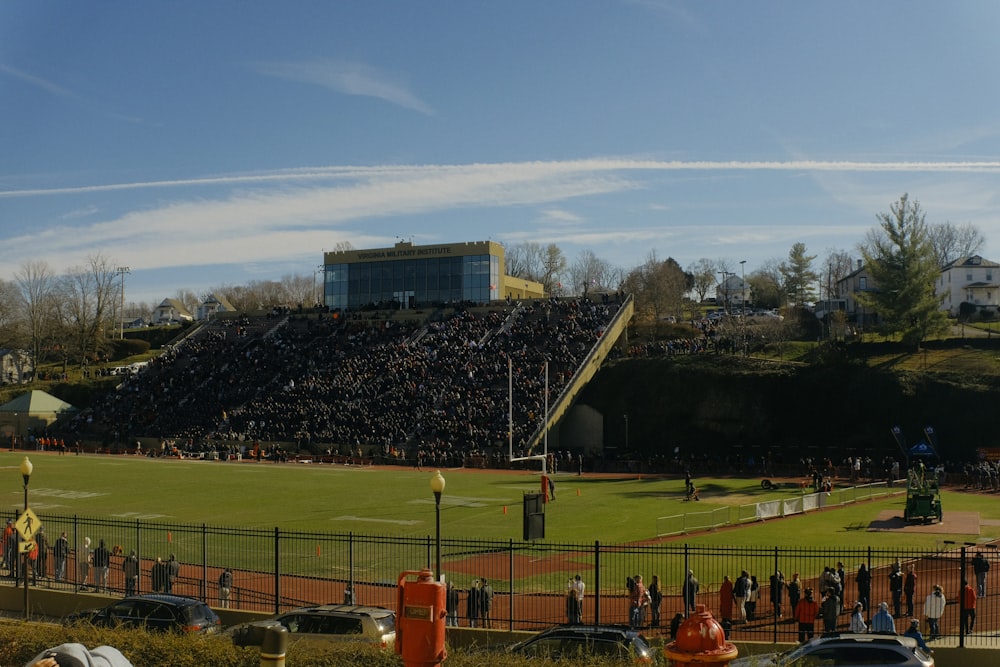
411,283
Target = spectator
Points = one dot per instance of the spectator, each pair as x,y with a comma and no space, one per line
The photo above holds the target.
451,605
882,621
689,590
858,619
933,609
173,572
794,591
981,567
864,583
726,599
914,632
130,572
102,564
777,592
968,607
805,615
656,599
909,588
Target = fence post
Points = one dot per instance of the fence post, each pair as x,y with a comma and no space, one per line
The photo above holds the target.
597,582
350,568
138,552
277,570
204,563
961,600
684,578
775,612
510,585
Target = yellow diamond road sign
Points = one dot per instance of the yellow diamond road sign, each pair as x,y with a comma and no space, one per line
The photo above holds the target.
27,524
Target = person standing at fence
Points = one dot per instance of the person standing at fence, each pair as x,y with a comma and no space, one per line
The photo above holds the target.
173,572
656,600
842,583
225,587
909,588
60,552
726,599
794,592
690,590
753,597
933,609
896,590
472,603
864,583
486,602
741,590
637,598
451,605
805,615
578,590
968,607
102,564
43,552
83,559
980,566
158,575
830,609
777,592
570,602
130,572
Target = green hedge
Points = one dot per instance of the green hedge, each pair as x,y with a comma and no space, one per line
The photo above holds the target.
20,642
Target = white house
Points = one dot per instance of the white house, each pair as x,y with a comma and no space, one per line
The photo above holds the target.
970,280
213,305
171,310
732,292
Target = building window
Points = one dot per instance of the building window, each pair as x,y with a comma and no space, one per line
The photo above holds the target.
862,283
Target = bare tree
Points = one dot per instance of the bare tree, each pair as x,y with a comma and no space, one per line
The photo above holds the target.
951,242
189,299
702,274
88,297
36,291
766,285
837,266
589,272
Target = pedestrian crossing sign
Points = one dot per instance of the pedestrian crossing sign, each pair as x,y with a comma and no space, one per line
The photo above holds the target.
27,524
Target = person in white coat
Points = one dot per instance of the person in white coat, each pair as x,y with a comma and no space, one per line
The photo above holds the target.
933,610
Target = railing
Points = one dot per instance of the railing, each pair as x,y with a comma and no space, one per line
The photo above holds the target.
274,570
691,522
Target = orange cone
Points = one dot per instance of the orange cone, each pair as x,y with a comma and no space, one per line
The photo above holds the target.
170,537
317,551
504,509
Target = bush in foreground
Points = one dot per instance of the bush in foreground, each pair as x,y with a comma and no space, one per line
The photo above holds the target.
20,642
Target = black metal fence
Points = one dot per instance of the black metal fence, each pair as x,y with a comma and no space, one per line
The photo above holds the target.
274,570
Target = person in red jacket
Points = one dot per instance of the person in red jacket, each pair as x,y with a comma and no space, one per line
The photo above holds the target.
805,614
968,607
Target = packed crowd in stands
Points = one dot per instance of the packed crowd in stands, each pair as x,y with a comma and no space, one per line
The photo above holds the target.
433,390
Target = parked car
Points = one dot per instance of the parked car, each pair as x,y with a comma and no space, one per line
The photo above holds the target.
845,650
164,613
566,641
328,622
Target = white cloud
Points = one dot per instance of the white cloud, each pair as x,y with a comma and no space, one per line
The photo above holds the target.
35,81
349,78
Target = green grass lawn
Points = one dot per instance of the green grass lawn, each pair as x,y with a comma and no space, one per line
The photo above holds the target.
399,502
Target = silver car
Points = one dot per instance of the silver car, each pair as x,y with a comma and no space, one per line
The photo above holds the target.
845,650
326,623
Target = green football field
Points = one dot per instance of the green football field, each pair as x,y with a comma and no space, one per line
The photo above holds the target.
475,504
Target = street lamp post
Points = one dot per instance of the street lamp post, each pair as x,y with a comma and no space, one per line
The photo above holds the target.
437,486
743,306
122,270
26,469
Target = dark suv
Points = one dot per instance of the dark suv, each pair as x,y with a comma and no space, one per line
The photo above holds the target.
165,613
567,641
869,650
327,622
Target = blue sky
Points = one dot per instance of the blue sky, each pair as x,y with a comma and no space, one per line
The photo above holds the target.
212,143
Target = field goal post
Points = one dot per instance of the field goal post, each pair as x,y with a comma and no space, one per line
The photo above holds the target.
537,457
